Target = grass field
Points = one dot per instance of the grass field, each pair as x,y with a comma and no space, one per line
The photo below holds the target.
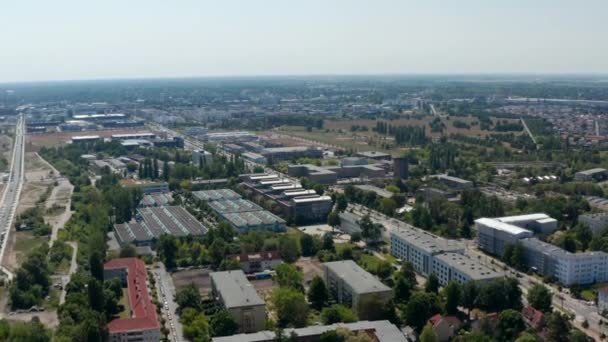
337,133
25,242
124,301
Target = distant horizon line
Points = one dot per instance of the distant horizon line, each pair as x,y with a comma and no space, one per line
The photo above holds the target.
319,75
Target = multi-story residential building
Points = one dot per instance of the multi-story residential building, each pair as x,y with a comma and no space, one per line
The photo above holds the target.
257,262
461,268
568,268
239,297
596,222
351,285
602,299
142,323
419,247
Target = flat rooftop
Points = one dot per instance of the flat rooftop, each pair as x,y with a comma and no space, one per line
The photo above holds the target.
383,331
592,171
426,241
502,226
311,199
234,206
356,277
379,191
373,154
253,218
235,290
527,217
216,195
466,265
174,220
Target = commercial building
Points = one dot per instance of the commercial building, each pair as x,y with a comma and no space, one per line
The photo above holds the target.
419,247
461,268
331,174
216,195
99,117
592,174
353,161
85,139
596,222
401,168
429,194
257,262
378,331
156,200
148,187
374,155
131,136
232,136
538,223
152,222
254,157
311,208
239,297
288,153
568,268
248,221
233,206
201,158
351,285
142,323
454,182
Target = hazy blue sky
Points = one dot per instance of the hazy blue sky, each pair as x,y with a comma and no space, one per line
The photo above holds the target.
76,39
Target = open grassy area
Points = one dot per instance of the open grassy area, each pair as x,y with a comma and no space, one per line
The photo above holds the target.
124,301
25,242
369,262
52,302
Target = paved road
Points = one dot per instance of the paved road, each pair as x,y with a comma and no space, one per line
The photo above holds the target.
523,122
166,289
10,196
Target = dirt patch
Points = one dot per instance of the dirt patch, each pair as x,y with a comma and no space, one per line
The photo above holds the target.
199,277
310,268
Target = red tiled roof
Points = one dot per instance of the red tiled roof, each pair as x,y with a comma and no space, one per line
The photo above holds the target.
532,316
143,311
435,319
452,320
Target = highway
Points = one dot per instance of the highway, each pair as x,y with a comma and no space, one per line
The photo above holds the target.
12,189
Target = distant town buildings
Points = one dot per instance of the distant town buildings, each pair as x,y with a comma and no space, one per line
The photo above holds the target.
592,174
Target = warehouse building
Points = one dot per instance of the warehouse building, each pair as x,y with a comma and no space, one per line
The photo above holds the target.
234,292
248,221
454,182
351,285
592,174
233,206
152,222
156,200
216,195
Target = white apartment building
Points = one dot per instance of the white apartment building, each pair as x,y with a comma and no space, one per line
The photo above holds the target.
461,268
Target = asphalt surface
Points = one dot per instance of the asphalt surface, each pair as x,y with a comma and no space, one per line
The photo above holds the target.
166,294
12,190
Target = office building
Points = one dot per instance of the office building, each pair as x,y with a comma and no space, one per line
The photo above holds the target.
142,323
493,235
592,174
351,285
289,153
234,292
377,331
353,161
538,223
596,222
419,247
401,168
201,158
311,208
331,174
461,268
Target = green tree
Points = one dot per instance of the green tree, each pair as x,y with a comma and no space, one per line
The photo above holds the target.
223,324
338,313
527,337
195,325
510,324
469,295
578,336
328,242
307,243
558,328
341,202
290,306
287,275
96,265
452,292
95,290
317,293
540,297
432,284
289,248
428,334
402,290
128,251
369,230
333,219
421,307
188,297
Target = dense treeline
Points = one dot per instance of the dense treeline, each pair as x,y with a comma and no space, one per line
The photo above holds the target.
404,135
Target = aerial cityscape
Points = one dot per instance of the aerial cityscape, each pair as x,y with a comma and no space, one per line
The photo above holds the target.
227,190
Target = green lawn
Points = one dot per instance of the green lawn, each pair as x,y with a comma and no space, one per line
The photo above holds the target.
369,262
589,294
53,301
25,242
124,301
